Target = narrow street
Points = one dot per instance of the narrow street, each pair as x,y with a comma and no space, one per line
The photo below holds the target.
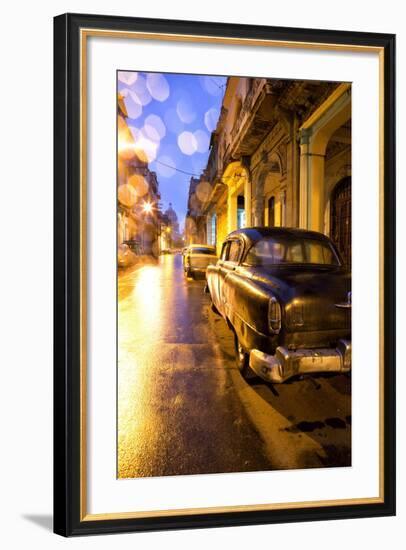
183,407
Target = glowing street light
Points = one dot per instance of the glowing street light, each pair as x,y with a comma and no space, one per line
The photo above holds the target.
147,207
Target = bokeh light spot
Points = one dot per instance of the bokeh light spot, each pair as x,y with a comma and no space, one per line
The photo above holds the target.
145,149
139,184
150,133
127,77
212,85
125,140
157,86
127,195
202,140
194,202
210,119
185,111
187,143
203,191
139,92
154,127
134,108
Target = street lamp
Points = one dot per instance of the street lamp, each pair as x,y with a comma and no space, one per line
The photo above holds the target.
147,207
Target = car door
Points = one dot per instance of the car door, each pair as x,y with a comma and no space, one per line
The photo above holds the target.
216,284
229,264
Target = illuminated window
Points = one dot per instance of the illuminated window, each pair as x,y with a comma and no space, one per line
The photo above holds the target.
241,218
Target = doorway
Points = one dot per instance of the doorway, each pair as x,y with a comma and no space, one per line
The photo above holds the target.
341,218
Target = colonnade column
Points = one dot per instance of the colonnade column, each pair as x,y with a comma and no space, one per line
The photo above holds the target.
259,207
247,202
231,211
312,162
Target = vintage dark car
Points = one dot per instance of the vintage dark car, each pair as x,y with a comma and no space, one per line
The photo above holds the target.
286,295
196,258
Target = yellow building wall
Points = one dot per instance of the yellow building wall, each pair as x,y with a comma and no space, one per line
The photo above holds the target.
278,211
272,188
222,231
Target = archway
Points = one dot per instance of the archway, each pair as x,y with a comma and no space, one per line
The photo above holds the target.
236,177
270,194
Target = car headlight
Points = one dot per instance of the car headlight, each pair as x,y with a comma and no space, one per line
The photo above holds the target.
274,316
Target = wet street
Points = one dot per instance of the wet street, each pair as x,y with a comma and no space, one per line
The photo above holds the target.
183,407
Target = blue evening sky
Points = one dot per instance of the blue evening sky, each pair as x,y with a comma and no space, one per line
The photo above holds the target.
185,110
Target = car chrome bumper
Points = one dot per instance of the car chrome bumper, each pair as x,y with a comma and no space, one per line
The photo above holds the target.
285,363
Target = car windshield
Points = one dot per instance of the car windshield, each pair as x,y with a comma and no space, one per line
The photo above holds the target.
291,250
202,250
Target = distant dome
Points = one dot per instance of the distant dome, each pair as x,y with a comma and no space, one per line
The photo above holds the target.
170,212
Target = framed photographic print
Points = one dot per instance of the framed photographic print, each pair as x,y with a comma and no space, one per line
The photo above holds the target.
224,274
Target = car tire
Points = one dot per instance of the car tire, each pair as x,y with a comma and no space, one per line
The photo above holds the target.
241,358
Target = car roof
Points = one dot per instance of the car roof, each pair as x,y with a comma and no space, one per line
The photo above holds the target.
254,234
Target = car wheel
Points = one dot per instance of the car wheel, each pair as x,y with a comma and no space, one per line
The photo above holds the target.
241,357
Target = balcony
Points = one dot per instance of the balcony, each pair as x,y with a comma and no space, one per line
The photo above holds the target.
255,120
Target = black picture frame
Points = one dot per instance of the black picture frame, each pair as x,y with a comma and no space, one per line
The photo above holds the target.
67,266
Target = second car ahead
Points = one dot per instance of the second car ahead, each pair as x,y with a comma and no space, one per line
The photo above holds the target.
197,257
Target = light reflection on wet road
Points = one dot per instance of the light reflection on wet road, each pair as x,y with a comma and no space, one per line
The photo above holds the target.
178,410
183,407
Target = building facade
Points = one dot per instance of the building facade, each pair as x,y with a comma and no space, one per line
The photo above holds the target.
171,231
195,222
138,215
280,156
